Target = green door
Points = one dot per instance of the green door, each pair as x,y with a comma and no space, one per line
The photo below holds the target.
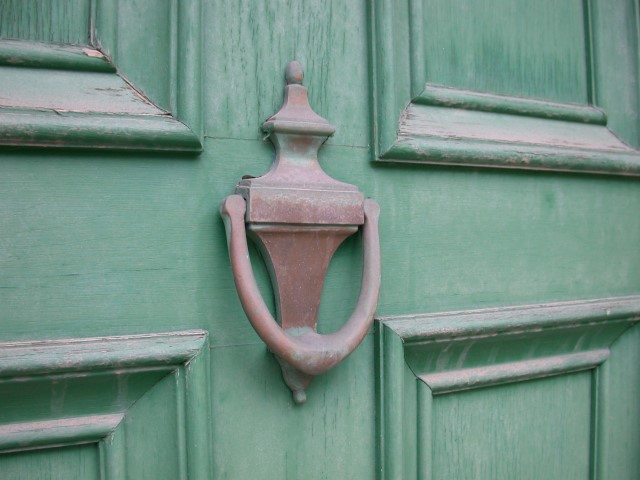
500,138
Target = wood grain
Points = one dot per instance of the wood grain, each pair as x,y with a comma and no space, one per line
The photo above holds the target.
521,438
79,462
60,21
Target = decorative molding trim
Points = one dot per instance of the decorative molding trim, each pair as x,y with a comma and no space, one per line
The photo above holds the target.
19,53
479,153
38,128
57,433
421,356
470,378
411,123
100,353
464,324
179,130
438,96
93,366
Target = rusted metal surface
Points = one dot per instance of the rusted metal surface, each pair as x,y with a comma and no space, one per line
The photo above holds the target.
298,216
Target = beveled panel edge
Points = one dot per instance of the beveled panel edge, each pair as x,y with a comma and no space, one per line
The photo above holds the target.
23,53
439,326
25,359
442,96
476,153
491,375
57,433
95,131
185,75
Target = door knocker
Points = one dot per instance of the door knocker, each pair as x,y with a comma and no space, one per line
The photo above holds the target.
298,216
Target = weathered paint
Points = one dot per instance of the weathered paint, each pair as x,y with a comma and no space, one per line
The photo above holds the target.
96,243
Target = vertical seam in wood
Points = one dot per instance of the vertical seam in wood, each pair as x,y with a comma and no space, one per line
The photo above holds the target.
416,47
593,447
379,362
198,415
636,11
424,440
181,437
589,52
114,32
92,23
385,92
392,357
373,85
113,461
173,58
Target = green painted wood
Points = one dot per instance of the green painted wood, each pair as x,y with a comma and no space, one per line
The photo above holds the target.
471,378
103,243
152,250
549,64
243,81
618,411
517,319
87,354
111,391
33,435
71,107
332,436
76,85
113,455
557,448
465,128
519,48
63,57
145,56
59,21
470,153
72,91
615,68
161,453
70,463
460,358
485,102
35,128
156,46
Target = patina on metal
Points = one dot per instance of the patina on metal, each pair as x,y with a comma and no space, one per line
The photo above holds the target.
298,216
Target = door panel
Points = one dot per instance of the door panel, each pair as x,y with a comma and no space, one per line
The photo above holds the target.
52,464
110,235
474,439
476,394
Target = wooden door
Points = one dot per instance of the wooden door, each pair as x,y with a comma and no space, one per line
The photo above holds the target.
500,138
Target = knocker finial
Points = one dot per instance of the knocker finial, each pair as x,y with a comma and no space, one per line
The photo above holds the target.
293,73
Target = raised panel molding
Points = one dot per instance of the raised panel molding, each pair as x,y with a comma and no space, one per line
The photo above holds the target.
420,357
57,393
418,122
84,99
